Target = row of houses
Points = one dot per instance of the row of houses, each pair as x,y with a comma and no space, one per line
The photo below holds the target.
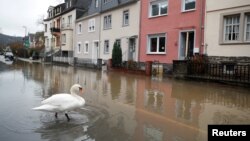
149,30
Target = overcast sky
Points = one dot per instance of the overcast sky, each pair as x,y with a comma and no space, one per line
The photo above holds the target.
14,14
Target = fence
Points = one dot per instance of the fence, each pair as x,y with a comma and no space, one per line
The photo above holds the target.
66,60
225,72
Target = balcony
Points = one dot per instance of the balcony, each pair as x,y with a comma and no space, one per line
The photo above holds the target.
55,31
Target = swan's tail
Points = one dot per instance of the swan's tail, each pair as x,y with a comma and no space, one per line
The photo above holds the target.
48,108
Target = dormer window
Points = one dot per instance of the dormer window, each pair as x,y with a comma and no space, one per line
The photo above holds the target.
106,1
96,3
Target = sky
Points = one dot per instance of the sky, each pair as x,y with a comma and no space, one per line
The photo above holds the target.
15,15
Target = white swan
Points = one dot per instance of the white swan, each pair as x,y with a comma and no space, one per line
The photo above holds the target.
63,102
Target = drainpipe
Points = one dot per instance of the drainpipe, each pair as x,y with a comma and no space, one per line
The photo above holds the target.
139,36
201,26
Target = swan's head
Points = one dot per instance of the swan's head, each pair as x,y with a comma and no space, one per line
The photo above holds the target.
76,89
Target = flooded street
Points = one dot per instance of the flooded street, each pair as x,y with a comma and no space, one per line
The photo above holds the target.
121,107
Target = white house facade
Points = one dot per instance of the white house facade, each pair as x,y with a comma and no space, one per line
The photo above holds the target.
120,24
227,29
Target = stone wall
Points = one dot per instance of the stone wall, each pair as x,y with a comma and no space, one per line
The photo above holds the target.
236,60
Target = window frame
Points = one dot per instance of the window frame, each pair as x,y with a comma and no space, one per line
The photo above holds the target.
246,23
79,48
242,27
159,3
91,25
106,24
183,7
86,48
63,39
158,36
79,28
105,50
231,26
124,18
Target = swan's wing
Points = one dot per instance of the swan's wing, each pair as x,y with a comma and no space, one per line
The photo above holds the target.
59,99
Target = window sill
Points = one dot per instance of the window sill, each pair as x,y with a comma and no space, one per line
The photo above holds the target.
107,28
91,31
151,17
156,53
125,25
235,43
186,11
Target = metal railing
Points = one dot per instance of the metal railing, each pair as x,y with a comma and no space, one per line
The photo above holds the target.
67,60
225,72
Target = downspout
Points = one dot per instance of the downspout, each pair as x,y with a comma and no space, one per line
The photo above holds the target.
100,23
201,27
139,37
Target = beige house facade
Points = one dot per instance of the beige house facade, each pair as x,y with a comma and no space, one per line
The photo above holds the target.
120,24
227,30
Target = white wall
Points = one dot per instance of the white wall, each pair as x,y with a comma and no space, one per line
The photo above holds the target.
118,31
213,28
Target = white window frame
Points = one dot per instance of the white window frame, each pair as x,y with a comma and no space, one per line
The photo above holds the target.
96,3
63,39
105,47
231,26
125,21
79,47
158,36
91,25
159,3
80,28
86,47
107,22
184,6
106,1
247,23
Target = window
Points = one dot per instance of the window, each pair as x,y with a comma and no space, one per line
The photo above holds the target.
64,39
106,1
69,20
247,28
125,18
70,3
96,3
107,22
157,44
118,41
231,28
235,28
45,28
106,46
79,47
91,26
158,8
79,28
188,5
86,49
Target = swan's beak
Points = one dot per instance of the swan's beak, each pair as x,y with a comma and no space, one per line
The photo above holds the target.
80,90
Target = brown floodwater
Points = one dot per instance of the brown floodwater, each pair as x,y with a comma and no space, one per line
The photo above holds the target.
120,106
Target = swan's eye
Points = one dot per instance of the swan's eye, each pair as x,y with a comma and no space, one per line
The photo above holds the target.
80,88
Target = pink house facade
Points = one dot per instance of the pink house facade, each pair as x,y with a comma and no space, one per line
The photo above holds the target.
171,29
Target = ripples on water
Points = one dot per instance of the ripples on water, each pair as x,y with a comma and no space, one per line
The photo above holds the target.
120,106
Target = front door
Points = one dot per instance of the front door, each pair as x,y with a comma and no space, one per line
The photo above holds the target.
95,52
131,49
186,48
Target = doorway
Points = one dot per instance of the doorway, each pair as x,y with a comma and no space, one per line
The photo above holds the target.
186,48
95,52
131,49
